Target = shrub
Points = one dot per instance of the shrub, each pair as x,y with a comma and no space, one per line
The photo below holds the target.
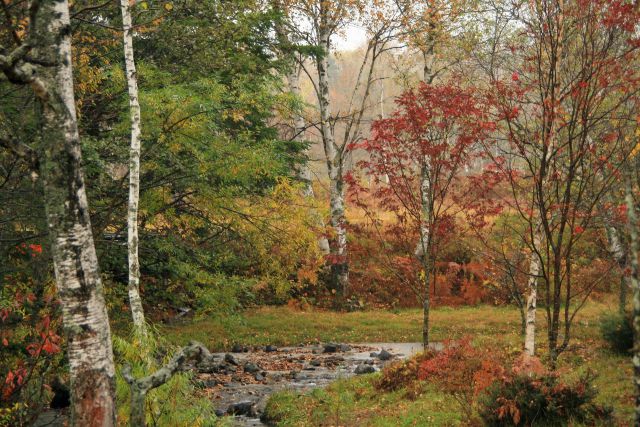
30,348
462,371
617,330
526,400
402,374
175,403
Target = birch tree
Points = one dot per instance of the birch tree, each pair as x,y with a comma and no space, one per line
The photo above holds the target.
135,302
326,20
634,252
43,61
571,77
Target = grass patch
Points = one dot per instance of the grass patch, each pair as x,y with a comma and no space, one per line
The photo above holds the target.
355,402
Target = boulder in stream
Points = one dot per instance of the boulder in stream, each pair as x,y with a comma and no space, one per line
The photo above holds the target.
245,408
385,355
251,368
230,359
364,369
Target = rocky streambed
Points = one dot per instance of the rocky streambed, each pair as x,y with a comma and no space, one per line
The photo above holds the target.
241,381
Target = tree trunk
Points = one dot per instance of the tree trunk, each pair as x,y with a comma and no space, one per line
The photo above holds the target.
532,298
80,289
135,302
423,247
339,265
619,255
634,248
304,172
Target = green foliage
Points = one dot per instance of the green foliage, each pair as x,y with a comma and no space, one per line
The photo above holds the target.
225,295
545,401
176,403
617,331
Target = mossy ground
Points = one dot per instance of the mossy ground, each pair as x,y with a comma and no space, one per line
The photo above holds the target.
356,402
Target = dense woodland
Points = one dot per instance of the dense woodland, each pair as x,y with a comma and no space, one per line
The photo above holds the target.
189,177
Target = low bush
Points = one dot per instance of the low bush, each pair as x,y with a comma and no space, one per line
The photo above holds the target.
31,356
617,331
176,403
529,400
402,374
462,371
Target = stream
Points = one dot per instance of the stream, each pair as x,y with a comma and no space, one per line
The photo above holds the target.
241,382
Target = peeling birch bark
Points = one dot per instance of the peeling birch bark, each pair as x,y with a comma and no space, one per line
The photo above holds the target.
79,286
634,249
339,266
135,302
532,297
423,247
617,250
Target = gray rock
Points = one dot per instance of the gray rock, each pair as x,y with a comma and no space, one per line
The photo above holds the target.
251,368
364,369
209,366
270,348
230,359
237,348
374,354
315,362
330,348
345,347
259,377
220,413
241,408
385,355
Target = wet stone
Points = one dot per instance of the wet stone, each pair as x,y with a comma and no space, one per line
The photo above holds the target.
364,369
385,355
237,348
245,408
251,368
330,348
229,358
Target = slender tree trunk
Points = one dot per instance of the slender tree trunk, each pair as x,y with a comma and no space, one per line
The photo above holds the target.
79,286
619,255
634,249
340,265
135,302
423,247
532,297
304,172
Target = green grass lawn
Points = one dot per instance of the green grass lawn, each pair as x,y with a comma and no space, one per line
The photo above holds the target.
355,402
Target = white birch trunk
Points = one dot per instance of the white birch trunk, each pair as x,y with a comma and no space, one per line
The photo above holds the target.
135,302
619,255
424,244
634,249
304,173
340,266
532,297
79,286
